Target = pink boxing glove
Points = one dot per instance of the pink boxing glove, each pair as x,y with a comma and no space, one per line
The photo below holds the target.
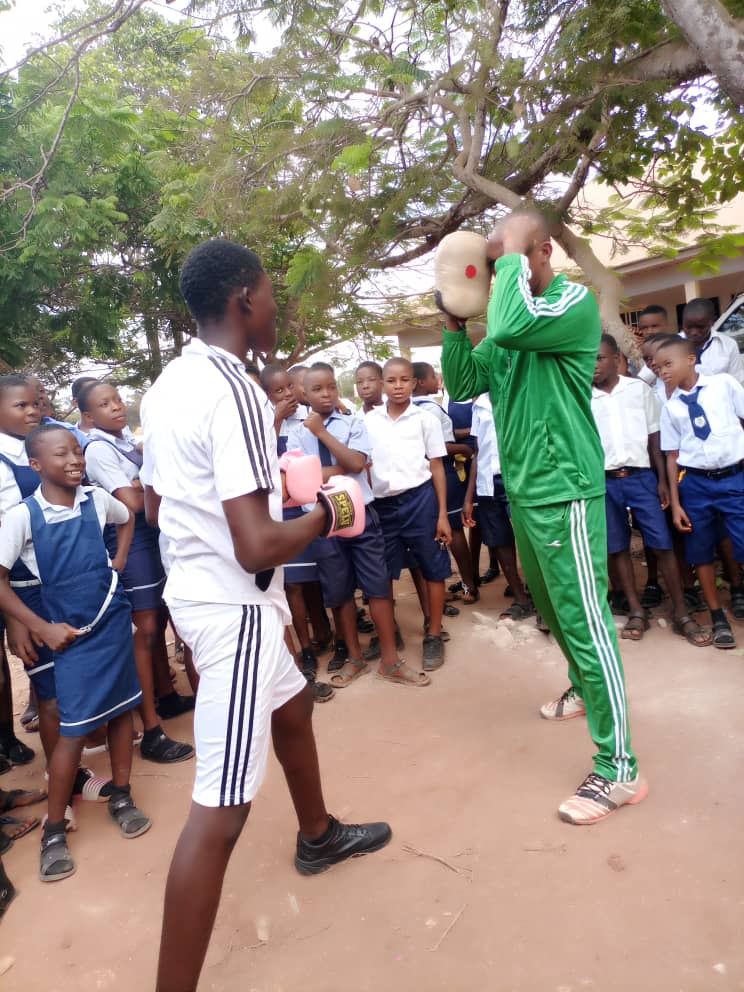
303,477
342,499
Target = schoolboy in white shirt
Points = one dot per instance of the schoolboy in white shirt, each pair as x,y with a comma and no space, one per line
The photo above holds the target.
702,436
410,492
627,417
715,352
211,435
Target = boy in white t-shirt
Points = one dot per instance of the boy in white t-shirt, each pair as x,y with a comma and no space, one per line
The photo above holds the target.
210,433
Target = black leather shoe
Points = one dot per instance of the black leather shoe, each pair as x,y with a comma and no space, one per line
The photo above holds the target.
164,750
343,841
433,653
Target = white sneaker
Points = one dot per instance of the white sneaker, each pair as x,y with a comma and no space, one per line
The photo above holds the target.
566,707
597,797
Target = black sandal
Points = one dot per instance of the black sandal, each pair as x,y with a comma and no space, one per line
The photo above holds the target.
723,636
55,862
131,821
517,611
678,626
636,626
651,596
737,601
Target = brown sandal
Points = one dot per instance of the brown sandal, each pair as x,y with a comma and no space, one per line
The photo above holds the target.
349,673
692,636
401,674
636,626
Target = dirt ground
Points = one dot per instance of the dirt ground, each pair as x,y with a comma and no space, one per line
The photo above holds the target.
466,772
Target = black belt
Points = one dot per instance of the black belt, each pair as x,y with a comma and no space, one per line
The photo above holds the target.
713,473
622,473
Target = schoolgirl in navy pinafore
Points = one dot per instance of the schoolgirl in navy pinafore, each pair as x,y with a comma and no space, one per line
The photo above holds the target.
143,576
96,676
28,589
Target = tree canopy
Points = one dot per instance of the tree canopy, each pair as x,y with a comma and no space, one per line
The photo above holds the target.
344,149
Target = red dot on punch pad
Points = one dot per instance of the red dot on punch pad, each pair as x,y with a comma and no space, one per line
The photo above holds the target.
471,272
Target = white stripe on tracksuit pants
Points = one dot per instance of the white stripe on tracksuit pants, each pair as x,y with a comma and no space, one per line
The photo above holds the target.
563,550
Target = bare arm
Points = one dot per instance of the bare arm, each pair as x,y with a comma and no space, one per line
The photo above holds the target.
467,503
152,506
659,465
133,499
681,520
349,460
259,542
56,636
124,534
444,532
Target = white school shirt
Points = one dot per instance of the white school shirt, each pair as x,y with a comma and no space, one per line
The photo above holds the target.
401,448
296,420
14,449
209,437
720,354
104,467
15,534
722,398
625,417
445,421
484,429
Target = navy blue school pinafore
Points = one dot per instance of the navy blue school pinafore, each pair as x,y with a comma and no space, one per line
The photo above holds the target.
143,576
28,589
96,675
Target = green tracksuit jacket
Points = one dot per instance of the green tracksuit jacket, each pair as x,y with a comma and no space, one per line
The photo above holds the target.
537,362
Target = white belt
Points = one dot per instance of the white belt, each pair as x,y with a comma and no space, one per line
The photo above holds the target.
25,583
104,606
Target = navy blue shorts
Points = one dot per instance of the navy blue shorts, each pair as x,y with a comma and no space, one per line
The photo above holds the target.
409,521
347,564
493,517
41,675
636,492
706,502
304,566
455,497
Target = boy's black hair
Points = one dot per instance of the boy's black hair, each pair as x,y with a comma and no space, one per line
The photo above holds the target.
369,365
653,308
80,383
296,368
421,370
268,372
675,341
611,343
321,367
12,380
700,305
211,274
659,336
34,436
87,391
398,360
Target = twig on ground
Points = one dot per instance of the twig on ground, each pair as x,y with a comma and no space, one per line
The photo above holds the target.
444,934
410,849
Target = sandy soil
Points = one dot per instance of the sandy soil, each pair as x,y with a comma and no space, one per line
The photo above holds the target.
466,772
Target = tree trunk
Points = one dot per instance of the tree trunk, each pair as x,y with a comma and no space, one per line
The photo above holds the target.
153,346
717,37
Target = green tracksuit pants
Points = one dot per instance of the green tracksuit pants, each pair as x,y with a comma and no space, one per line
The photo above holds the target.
563,550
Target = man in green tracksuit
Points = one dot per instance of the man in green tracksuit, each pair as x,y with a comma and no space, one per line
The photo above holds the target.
537,362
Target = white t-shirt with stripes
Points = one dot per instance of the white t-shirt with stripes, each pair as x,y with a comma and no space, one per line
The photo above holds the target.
209,437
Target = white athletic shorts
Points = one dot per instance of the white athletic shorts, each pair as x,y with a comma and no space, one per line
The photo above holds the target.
245,673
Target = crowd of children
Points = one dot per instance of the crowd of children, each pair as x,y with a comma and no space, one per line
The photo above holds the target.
82,566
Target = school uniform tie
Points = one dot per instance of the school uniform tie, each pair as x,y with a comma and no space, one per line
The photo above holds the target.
326,458
699,421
